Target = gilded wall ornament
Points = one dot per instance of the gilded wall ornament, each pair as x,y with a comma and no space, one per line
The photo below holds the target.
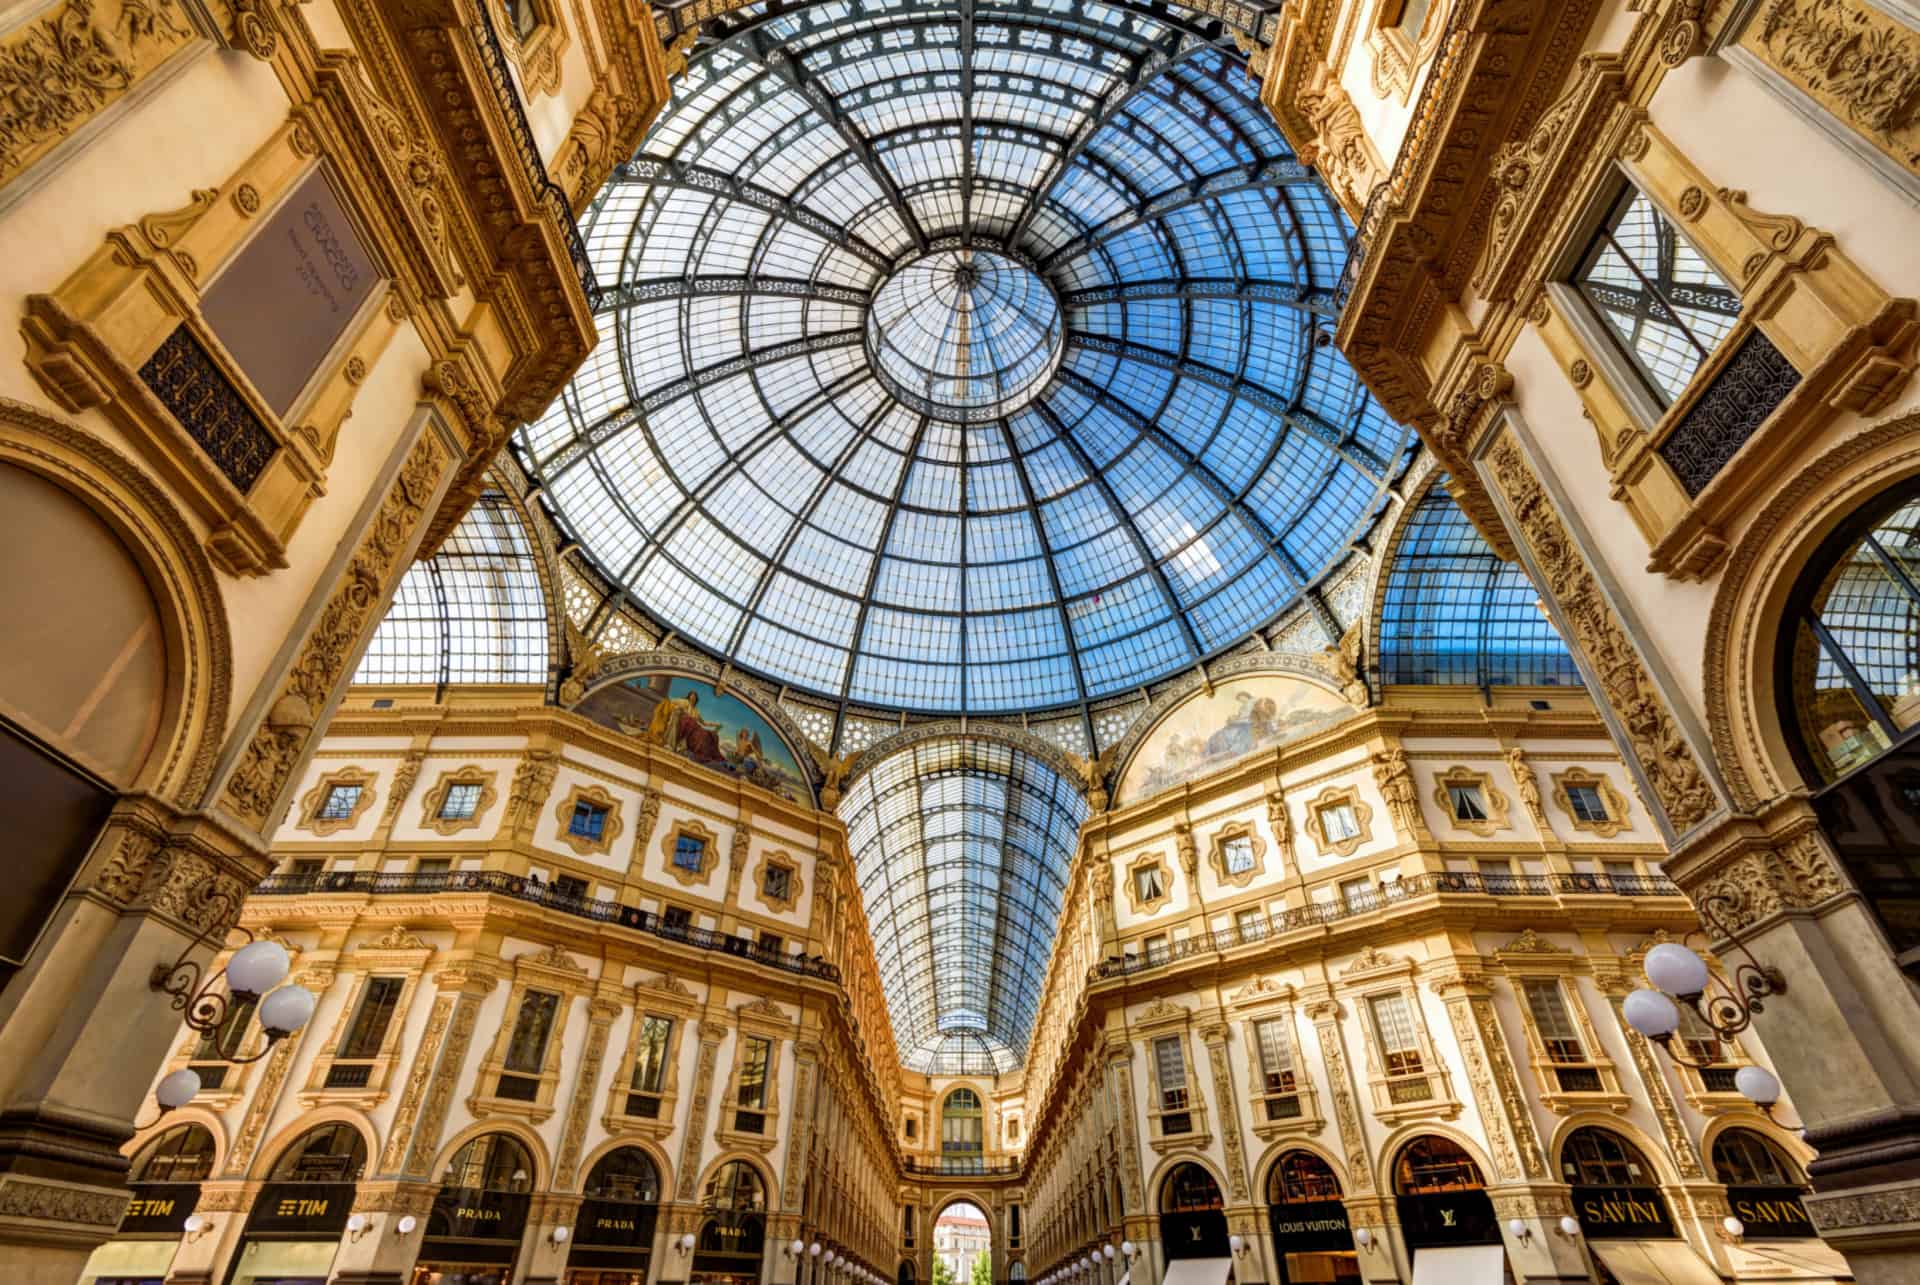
1858,62
459,800
1339,834
1491,802
587,839
316,801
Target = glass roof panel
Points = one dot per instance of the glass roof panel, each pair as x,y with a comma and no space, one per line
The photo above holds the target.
966,357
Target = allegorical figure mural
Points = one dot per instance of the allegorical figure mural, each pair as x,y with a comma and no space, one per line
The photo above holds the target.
689,718
1241,716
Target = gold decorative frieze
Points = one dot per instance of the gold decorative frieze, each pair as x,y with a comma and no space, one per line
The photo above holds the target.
1858,62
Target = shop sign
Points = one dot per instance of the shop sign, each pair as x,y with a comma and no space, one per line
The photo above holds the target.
1199,1234
616,1222
1309,1226
1623,1213
1771,1213
317,1207
470,1214
159,1208
1449,1218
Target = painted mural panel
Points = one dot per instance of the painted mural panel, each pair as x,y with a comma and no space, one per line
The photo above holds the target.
689,718
1208,732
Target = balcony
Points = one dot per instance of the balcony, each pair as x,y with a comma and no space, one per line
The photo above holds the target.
964,1166
1386,896
499,883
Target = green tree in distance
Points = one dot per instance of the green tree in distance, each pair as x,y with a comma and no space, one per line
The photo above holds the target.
942,1274
983,1270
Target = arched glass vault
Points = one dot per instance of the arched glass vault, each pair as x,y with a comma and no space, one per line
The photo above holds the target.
966,357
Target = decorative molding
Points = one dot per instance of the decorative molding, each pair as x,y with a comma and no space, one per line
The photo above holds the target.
436,799
1617,816
1394,777
1362,818
566,1168
1496,802
1530,943
315,799
1860,64
1371,959
610,823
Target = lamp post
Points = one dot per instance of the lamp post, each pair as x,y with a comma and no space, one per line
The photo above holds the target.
1680,976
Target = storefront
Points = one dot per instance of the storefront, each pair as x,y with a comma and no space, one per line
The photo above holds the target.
478,1219
165,1178
1624,1217
1764,1190
1312,1239
1193,1228
733,1237
613,1237
1446,1216
297,1219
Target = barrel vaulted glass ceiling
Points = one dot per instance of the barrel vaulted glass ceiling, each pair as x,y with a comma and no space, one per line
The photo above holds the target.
962,847
965,356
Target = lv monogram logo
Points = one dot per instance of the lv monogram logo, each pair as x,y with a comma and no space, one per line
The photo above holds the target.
1194,1232
1446,1218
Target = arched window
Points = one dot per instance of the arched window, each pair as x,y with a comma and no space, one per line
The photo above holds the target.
1300,1177
1601,1158
183,1153
1017,1271
627,1174
1190,1189
905,1275
491,1162
960,1123
1743,1158
1432,1164
329,1153
737,1188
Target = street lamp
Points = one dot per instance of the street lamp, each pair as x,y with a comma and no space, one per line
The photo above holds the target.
1679,976
253,971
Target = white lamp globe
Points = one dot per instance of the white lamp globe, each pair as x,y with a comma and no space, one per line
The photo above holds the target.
1109,1252
257,968
194,1225
1569,1226
1651,1012
286,1010
814,1249
177,1090
560,1235
1758,1085
356,1223
1126,1247
1676,970
797,1248
1517,1228
686,1242
1733,1226
1363,1237
407,1224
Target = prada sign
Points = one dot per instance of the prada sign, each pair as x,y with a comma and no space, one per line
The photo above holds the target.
1771,1213
616,1222
320,1208
467,1214
159,1208
1623,1213
1437,1218
1310,1226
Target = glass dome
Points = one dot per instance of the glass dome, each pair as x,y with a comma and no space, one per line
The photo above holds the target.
965,357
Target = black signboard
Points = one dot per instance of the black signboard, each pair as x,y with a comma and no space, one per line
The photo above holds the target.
1462,1217
315,1209
159,1208
1201,1233
616,1222
1310,1226
465,1213
1623,1213
1771,1213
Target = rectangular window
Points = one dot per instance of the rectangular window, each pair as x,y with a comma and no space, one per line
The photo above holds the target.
1170,1064
678,918
1393,1024
1586,803
432,866
752,1096
1665,308
649,1077
772,943
777,883
1409,16
571,887
308,866
1357,894
689,852
527,1049
589,820
1158,951
1237,854
341,801
1339,823
1551,1018
369,1029
1467,803
460,803
1250,924
1149,883
1701,1042
228,1035
906,1216
1013,1226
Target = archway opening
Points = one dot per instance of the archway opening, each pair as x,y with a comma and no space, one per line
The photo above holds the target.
733,1233
614,1233
1311,1235
473,1233
962,1234
1193,1218
1616,1192
293,1230
1445,1213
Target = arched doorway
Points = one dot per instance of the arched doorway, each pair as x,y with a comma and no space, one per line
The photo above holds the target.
474,1231
962,1244
1445,1214
1616,1194
733,1236
1311,1235
905,1275
1193,1227
613,1240
165,1177
294,1229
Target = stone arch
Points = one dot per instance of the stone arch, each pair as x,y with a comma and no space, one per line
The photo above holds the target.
1156,1183
952,1198
1263,1166
654,1153
754,1161
197,665
1644,1143
1794,1146
269,1152
526,1137
190,1114
1742,641
1396,1141
955,729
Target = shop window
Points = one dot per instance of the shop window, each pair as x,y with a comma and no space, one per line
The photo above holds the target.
628,1175
1599,1158
1190,1189
490,1162
751,1097
461,802
1743,1158
183,1153
329,1153
527,1049
340,803
736,1188
962,1130
1299,1178
1663,306
1431,1164
589,820
649,1068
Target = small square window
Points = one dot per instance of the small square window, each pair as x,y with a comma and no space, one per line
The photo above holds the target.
432,866
1339,823
1157,949
677,917
689,853
1149,883
776,883
1237,853
1586,803
1467,803
461,802
570,886
341,801
589,820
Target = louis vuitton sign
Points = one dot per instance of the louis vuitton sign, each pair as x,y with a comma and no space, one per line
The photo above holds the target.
1309,1226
